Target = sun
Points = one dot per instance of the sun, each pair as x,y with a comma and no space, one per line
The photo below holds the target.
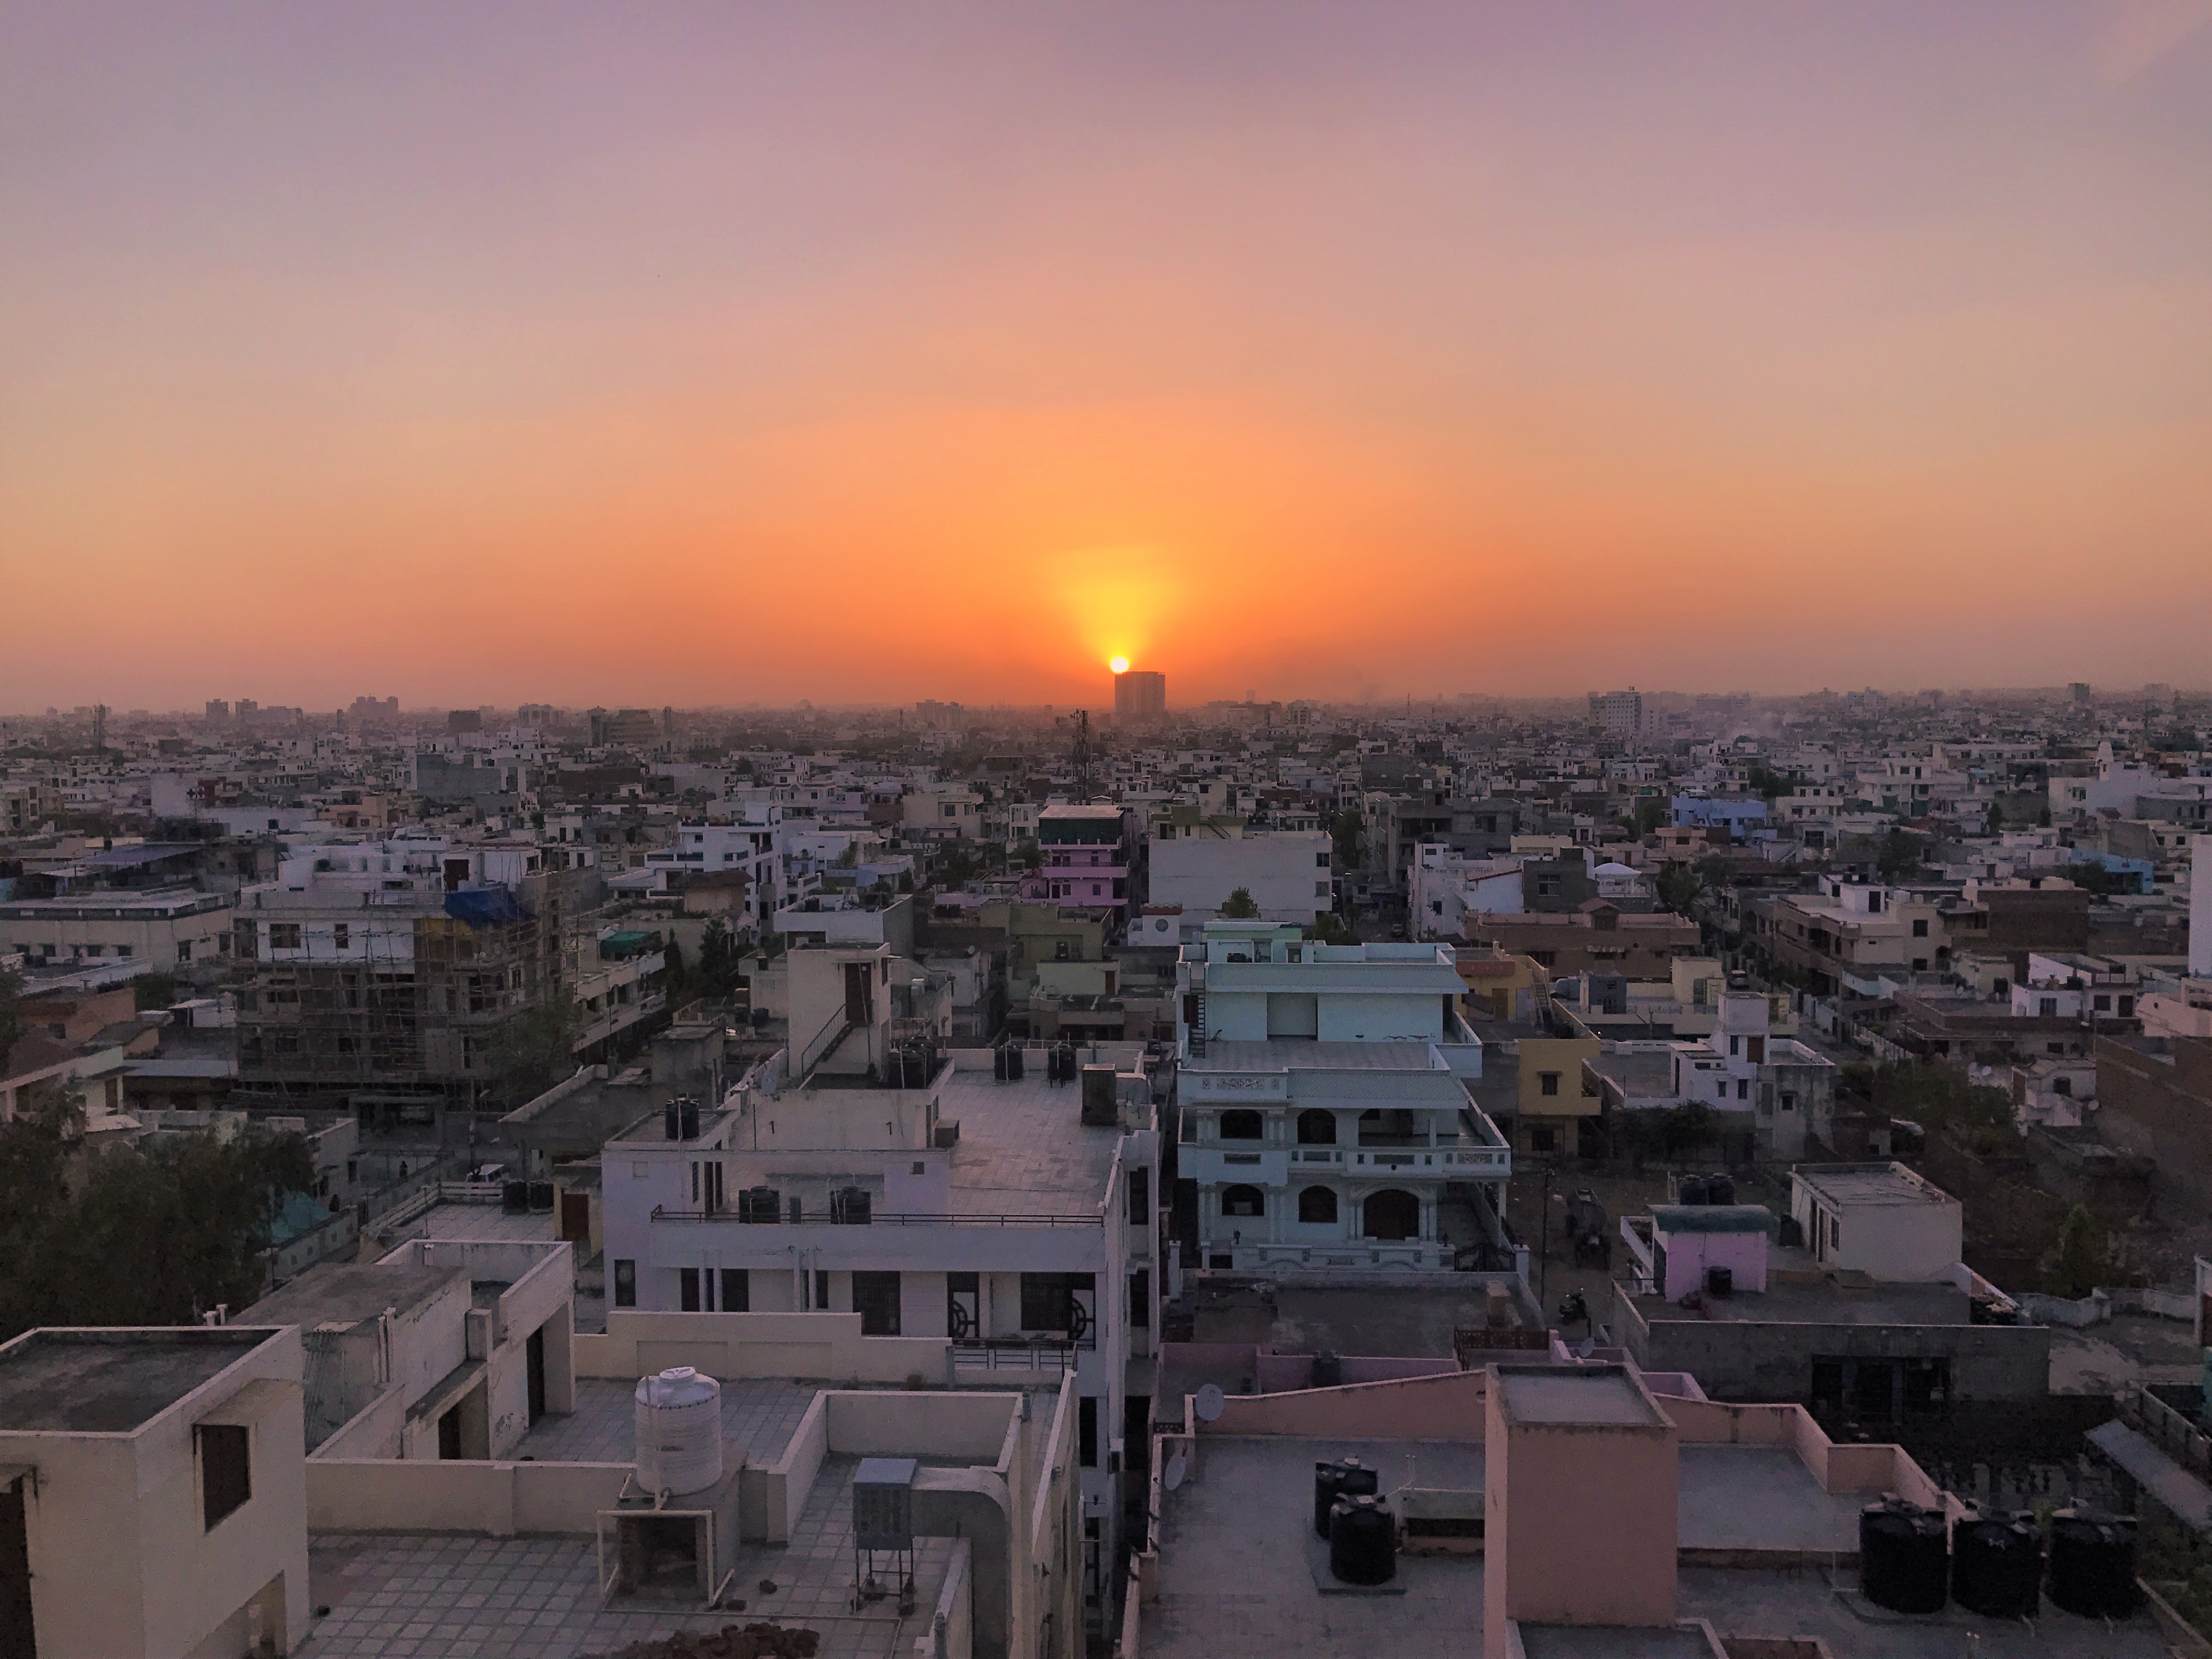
1120,665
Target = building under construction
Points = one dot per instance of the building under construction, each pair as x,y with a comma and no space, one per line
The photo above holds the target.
383,977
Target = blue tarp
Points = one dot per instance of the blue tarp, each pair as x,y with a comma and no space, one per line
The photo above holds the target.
483,907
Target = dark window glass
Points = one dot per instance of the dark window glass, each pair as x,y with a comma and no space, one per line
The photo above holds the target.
688,1293
1086,1431
875,1299
625,1284
736,1291
226,1469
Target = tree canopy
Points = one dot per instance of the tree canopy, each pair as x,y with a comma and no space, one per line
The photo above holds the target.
1241,906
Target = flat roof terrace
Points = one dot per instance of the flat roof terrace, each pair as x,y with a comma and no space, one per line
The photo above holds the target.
1024,1148
1822,1303
111,1382
759,1414
428,1593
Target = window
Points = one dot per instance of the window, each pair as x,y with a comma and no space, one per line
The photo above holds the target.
1789,1101
184,950
1920,928
1743,1089
1244,1201
625,1284
736,1291
875,1299
1050,1301
1543,1141
2048,1006
821,1290
688,1289
2104,1003
1316,1127
1140,1198
1140,1298
1086,1432
1240,1126
1317,1204
226,1469
1547,1083
284,935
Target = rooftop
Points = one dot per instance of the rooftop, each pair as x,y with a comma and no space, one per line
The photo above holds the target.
342,1293
1024,1148
1861,1184
1557,1397
1821,1302
513,1598
758,1413
111,1382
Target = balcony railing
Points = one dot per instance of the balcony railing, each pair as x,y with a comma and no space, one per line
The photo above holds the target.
823,1219
1035,1354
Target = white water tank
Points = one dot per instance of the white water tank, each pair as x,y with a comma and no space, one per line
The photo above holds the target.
679,1431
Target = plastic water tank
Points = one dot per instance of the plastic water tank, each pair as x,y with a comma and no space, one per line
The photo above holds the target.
1691,1189
1719,1190
679,1431
1904,1556
2092,1564
1997,1565
1363,1540
1346,1477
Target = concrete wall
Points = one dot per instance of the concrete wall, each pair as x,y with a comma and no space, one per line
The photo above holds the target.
1442,1408
1741,1360
376,1430
121,1560
499,1499
1281,872
827,1346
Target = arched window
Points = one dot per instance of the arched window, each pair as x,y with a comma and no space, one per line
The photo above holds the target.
1316,1129
1317,1204
1391,1214
1240,1126
1244,1201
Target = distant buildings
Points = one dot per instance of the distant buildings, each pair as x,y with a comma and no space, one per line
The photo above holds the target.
1619,714
1140,694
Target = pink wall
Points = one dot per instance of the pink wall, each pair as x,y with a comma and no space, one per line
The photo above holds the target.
1688,1256
1581,1525
1447,1406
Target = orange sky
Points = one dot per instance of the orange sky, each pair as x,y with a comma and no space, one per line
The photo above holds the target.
699,354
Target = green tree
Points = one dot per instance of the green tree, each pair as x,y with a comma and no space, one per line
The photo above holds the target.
1679,887
1650,814
1329,928
1344,830
532,1050
155,990
1996,819
11,1010
1030,856
1898,855
1241,906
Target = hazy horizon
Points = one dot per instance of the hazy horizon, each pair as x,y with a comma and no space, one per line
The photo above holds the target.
863,354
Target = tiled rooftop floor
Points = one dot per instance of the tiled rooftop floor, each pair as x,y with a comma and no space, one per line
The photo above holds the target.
759,1413
433,1596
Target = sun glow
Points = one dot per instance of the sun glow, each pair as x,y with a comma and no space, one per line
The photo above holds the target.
1120,665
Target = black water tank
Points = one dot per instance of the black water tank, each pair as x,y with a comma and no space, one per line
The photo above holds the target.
1346,1477
1719,1190
850,1207
1013,1064
2092,1564
1065,1054
541,1196
1720,1281
761,1205
999,1063
687,1118
515,1197
671,1122
1996,1564
1793,1233
1363,1541
1328,1370
1903,1559
1691,1190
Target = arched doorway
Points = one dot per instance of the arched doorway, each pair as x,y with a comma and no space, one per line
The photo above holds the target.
1391,1214
1244,1201
1240,1126
1317,1204
1316,1127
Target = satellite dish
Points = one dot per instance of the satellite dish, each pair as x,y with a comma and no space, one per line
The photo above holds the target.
1211,1400
1584,1348
1176,1471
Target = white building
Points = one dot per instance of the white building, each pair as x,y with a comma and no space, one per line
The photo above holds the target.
1286,872
1779,1086
153,1485
1443,885
1014,1218
168,929
744,840
1880,1219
